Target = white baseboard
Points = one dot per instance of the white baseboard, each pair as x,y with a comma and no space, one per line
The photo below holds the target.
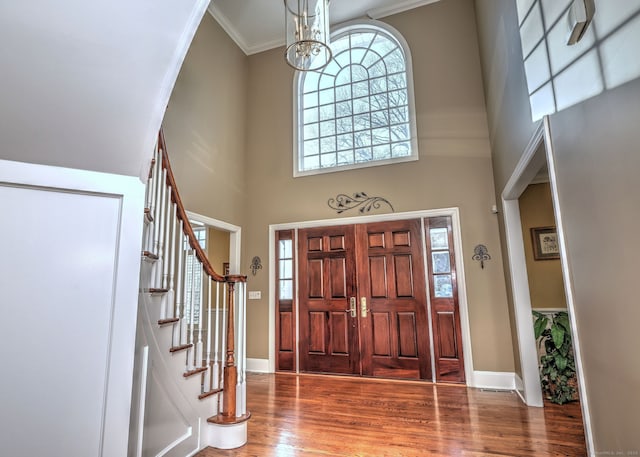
519,384
258,365
499,380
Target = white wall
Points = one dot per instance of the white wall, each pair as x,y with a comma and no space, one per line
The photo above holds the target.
559,76
70,259
85,84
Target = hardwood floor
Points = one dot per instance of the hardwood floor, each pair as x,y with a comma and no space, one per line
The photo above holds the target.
311,415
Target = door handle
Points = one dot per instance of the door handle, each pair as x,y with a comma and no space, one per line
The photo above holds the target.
363,307
352,307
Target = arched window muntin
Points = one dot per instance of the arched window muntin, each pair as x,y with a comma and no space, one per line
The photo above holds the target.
358,111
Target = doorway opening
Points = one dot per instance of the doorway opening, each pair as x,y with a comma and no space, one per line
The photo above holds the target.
537,156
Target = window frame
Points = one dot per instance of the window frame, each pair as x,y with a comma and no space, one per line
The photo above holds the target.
298,91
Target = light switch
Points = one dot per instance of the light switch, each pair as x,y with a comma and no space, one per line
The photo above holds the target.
255,295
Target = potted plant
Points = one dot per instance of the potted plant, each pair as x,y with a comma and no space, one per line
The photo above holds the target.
557,365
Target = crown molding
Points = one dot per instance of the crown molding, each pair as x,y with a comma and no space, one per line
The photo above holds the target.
397,7
236,36
227,26
265,46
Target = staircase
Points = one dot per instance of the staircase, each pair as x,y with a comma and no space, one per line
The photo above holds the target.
189,383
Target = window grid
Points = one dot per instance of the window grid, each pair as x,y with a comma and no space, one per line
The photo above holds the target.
376,105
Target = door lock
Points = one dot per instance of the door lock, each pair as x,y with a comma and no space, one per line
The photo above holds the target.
352,307
363,307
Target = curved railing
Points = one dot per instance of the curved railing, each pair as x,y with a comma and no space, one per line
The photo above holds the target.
172,245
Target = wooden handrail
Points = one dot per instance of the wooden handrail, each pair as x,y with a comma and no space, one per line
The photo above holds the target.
187,228
227,411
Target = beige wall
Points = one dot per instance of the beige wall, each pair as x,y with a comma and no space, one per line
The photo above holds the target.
454,168
205,124
546,286
595,145
217,248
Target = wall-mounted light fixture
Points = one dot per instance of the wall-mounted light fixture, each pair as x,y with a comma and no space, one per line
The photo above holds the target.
256,264
307,31
579,17
481,253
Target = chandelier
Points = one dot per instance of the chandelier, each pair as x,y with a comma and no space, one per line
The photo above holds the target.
307,29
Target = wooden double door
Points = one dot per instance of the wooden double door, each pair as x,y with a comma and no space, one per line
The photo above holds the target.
362,300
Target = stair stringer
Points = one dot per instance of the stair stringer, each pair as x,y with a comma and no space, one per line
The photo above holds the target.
167,417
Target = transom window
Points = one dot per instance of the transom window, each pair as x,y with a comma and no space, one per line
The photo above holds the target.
358,110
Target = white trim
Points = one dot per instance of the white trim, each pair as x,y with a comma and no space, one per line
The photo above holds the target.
568,288
453,212
235,237
338,32
463,304
227,26
176,442
549,310
532,159
519,387
236,36
258,366
498,380
526,169
142,399
397,7
250,49
428,299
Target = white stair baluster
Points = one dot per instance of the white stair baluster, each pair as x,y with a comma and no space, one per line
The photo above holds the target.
191,310
179,294
207,378
241,348
172,261
199,344
216,349
160,241
166,254
184,323
223,333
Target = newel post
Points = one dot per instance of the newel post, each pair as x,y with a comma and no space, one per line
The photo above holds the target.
230,370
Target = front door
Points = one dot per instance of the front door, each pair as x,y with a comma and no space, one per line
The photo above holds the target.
329,340
394,326
363,300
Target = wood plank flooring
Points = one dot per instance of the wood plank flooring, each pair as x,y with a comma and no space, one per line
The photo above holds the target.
312,415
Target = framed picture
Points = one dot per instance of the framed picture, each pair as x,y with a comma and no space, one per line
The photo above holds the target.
545,243
225,268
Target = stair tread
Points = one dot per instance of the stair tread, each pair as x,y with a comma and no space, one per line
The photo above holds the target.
150,255
182,347
209,393
195,371
156,290
171,320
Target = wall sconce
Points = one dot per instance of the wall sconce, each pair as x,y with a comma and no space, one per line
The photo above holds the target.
256,264
481,253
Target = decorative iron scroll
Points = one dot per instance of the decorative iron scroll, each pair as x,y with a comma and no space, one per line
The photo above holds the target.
481,253
360,200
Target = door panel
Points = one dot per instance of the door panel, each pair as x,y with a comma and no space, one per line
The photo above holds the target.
447,337
394,327
329,340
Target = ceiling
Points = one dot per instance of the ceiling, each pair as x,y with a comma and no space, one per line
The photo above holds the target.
258,25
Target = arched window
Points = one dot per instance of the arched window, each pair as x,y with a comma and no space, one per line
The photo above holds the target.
358,110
